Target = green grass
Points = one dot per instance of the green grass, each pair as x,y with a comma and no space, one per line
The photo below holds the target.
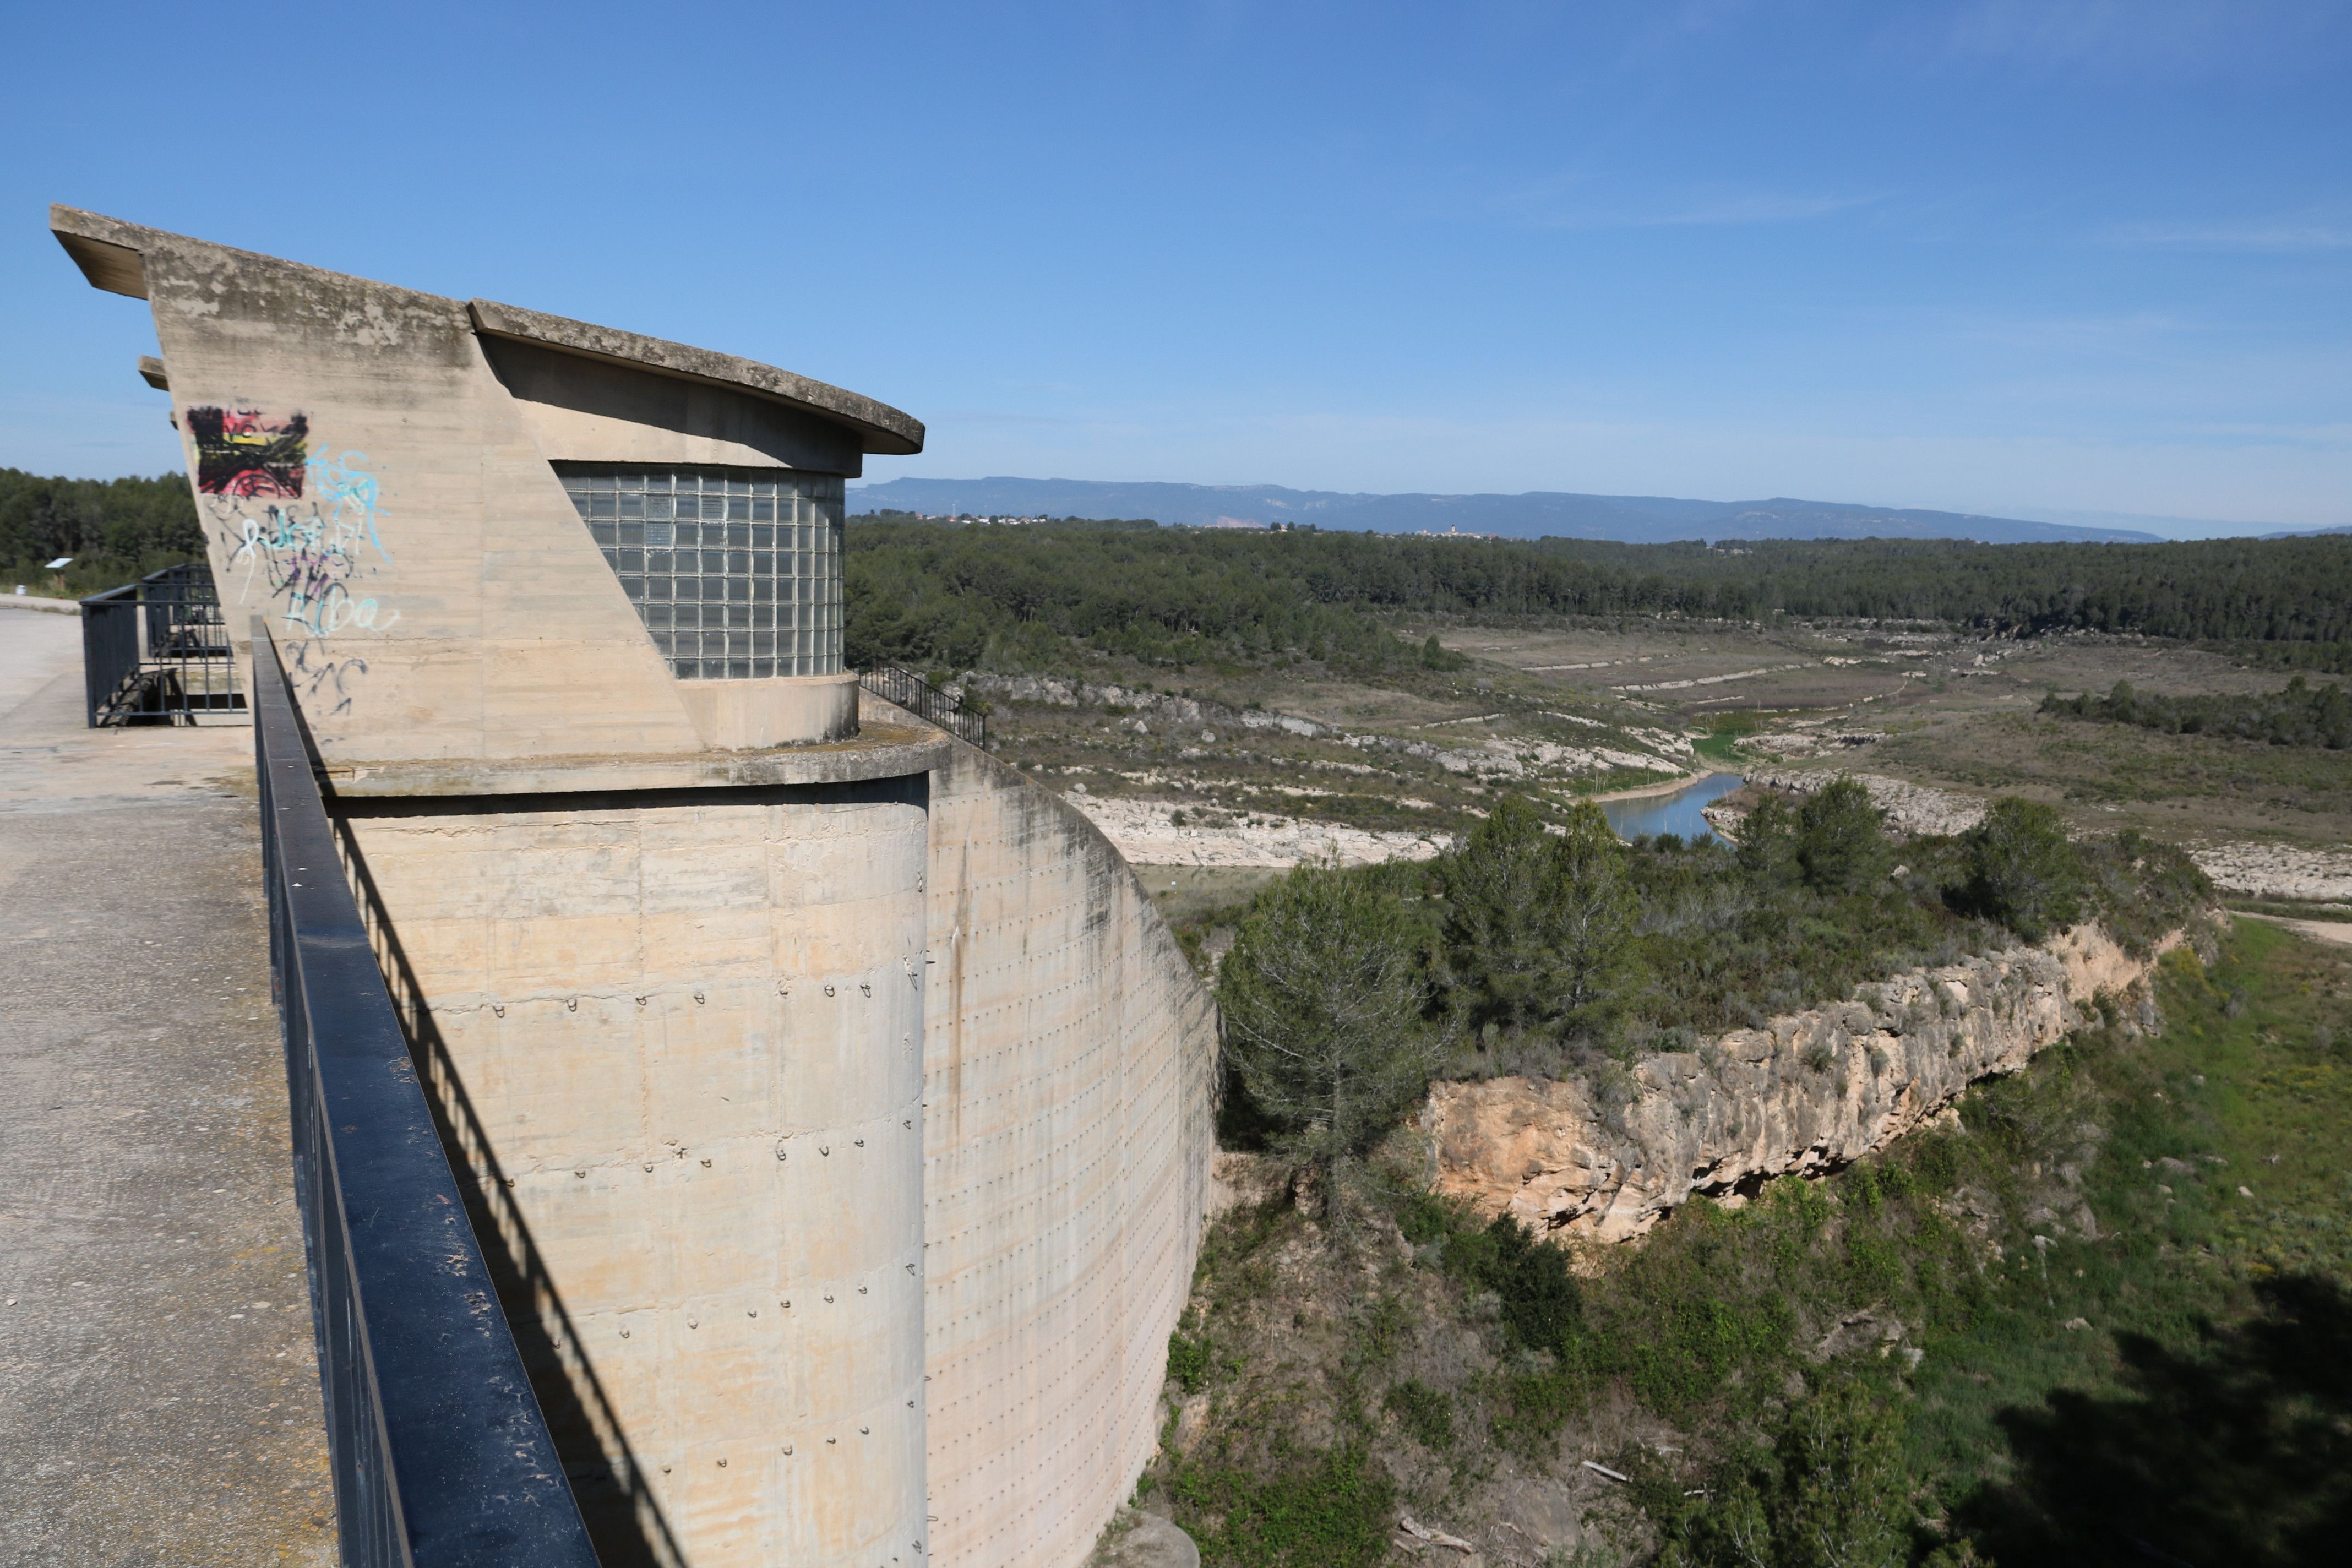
1332,1509
1722,750
1725,732
2247,1088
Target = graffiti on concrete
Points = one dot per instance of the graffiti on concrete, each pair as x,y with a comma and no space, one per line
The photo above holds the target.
318,675
350,493
311,556
244,453
302,530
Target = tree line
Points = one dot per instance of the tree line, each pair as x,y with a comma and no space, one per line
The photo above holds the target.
2298,714
938,596
114,528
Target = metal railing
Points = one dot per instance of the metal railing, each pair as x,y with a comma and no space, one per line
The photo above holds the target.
157,652
440,1454
927,702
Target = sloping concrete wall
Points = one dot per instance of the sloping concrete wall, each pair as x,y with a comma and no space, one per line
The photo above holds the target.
389,507
1068,1107
432,586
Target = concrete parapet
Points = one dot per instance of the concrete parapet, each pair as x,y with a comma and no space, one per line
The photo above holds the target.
783,711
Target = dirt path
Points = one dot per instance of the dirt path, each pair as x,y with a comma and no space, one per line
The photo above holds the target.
2338,932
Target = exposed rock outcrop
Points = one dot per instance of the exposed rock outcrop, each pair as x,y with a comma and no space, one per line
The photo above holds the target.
1607,1159
1909,807
1639,750
2276,870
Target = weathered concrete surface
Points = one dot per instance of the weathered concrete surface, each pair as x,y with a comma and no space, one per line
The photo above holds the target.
1068,1085
433,588
641,1012
678,1040
1808,1092
159,1400
877,426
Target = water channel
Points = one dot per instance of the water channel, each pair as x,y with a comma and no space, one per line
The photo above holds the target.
1677,813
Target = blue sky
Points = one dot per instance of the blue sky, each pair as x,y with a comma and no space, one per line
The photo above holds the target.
2043,258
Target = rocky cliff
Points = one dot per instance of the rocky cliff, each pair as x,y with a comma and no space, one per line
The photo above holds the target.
1607,1158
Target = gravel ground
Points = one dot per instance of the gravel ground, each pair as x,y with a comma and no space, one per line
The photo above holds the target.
159,1397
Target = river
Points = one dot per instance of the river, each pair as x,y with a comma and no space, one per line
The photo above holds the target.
1677,813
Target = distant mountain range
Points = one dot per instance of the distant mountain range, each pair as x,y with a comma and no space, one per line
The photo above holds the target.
1634,519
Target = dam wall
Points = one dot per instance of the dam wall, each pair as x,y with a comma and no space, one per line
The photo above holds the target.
1069,1080
674,1042
832,1105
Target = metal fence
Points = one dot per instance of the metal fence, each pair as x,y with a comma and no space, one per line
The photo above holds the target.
440,1454
927,702
156,651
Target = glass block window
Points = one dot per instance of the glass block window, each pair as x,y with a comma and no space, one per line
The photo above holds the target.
735,571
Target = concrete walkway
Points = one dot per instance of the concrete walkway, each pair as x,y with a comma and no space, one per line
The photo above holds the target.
159,1400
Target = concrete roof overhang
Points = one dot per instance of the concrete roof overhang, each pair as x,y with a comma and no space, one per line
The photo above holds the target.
112,254
882,428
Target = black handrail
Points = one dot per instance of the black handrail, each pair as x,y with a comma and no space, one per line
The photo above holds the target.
440,1454
110,651
928,702
157,650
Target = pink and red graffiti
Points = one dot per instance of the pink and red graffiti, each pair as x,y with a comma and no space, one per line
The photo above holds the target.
243,452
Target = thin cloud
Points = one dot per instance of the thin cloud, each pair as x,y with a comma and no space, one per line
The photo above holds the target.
2257,235
1550,205
2169,38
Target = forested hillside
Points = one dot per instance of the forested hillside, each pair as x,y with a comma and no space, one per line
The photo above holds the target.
114,528
943,595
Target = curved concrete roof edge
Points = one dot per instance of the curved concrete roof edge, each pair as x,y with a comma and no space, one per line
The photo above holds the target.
885,428
111,254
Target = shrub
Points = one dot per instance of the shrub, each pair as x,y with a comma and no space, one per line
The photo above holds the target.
1423,1412
1537,925
1839,844
2021,869
1540,1305
1322,997
1332,1512
1188,1361
1436,656
1829,1493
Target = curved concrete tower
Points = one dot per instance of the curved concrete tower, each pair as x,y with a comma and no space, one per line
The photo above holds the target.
799,1281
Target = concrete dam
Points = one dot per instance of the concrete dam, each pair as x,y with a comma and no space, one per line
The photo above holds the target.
830,1106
